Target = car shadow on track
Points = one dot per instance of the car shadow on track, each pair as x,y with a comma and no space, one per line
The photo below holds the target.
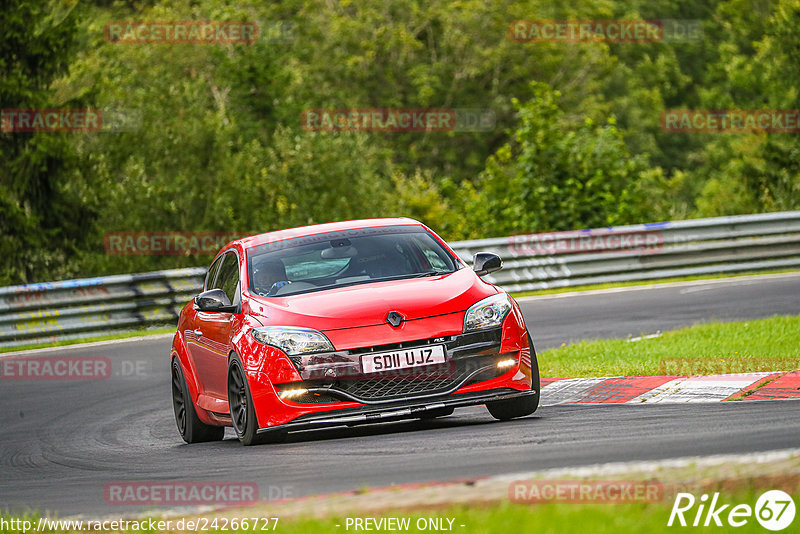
395,427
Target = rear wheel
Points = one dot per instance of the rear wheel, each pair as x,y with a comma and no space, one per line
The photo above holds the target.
512,408
191,428
243,413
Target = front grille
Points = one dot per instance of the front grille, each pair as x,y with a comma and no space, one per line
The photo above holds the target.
470,358
387,387
431,380
384,389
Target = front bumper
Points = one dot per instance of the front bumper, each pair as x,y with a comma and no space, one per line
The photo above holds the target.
337,376
330,387
395,411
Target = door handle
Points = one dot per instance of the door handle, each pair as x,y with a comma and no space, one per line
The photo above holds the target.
198,332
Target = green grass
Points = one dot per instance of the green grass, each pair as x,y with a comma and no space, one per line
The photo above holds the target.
120,335
713,348
592,287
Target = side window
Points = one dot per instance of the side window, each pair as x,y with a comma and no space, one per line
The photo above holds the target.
228,275
212,272
434,255
435,260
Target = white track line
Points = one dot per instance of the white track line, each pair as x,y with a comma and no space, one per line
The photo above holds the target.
616,468
89,345
666,285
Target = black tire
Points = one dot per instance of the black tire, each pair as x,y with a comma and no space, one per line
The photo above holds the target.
433,414
190,427
513,408
240,403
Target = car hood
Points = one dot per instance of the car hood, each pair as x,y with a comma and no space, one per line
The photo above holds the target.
368,304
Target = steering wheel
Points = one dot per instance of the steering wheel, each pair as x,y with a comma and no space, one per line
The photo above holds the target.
277,286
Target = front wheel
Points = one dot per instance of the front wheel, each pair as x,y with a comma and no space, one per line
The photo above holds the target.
513,408
240,403
191,428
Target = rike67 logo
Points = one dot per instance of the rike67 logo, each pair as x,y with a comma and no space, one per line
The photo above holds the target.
774,510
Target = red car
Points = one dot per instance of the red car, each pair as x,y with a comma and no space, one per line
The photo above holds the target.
346,323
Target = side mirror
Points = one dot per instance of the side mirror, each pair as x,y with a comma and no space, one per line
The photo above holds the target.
213,300
485,263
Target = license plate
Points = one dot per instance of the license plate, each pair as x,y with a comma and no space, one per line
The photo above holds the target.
403,359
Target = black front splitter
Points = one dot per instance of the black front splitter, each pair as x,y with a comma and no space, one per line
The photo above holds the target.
395,411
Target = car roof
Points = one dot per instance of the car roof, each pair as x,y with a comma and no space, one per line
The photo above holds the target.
303,231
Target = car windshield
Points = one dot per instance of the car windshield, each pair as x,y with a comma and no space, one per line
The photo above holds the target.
348,257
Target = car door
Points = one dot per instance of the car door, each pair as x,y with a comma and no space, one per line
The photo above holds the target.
194,347
213,330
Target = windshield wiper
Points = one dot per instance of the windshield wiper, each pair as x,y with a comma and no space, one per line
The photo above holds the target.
429,273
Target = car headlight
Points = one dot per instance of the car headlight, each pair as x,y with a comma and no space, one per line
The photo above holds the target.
293,340
487,313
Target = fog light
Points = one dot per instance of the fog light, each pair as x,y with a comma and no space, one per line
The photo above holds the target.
291,393
506,363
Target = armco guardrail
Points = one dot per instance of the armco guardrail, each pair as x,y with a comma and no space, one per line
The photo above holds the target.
52,311
680,248
39,313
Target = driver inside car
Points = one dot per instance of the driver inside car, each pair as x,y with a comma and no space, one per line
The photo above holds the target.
269,277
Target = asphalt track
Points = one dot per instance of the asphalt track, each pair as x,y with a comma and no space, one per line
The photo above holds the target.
62,441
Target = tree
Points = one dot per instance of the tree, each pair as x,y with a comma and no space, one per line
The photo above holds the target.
753,172
43,210
559,176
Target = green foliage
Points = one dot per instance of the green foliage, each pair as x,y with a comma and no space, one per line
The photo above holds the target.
214,141
560,176
757,70
42,210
